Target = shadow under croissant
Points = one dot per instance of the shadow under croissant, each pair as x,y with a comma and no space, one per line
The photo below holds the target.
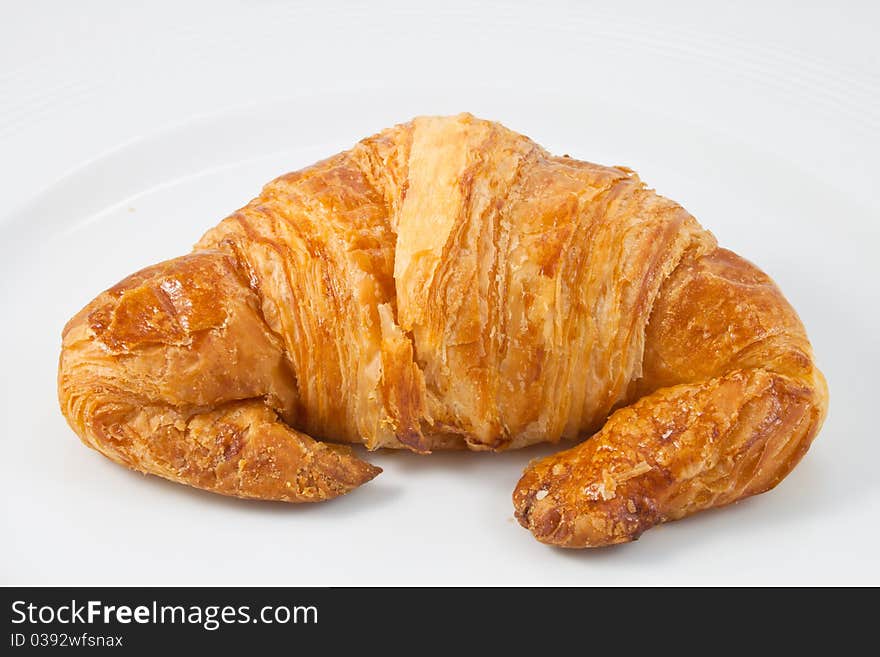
408,462
380,491
807,482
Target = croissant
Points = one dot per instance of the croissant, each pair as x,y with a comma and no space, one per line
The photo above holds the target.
447,284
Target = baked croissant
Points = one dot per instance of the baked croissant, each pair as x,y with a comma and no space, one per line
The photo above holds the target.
447,283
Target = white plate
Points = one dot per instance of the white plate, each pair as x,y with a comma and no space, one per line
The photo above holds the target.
70,516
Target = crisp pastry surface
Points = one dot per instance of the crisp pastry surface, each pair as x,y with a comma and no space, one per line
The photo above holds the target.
448,283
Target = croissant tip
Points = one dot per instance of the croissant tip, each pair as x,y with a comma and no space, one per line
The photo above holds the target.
371,472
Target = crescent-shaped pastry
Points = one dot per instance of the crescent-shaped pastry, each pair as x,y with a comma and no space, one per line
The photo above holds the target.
447,283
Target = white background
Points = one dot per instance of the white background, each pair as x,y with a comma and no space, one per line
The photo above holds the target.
124,133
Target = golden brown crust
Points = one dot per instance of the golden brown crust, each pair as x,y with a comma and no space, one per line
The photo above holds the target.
673,453
731,403
173,372
448,283
717,313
